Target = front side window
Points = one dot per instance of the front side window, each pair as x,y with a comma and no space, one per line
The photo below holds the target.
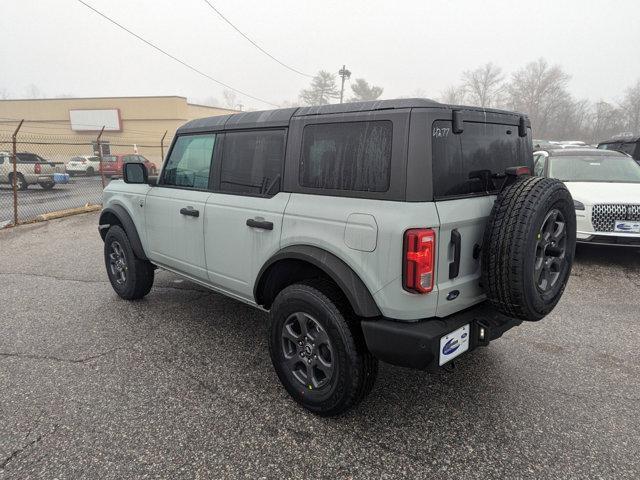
347,156
252,162
189,164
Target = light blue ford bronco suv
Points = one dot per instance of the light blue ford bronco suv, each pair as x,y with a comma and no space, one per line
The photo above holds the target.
405,231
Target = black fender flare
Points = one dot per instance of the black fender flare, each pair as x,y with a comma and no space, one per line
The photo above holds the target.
127,224
342,274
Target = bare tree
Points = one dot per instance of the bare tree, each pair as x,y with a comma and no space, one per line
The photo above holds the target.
32,91
631,108
454,95
483,85
363,92
539,90
323,88
605,122
230,99
208,101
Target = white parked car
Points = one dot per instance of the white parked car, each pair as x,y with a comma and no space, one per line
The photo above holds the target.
84,165
605,186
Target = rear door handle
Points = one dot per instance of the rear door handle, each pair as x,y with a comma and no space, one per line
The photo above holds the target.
263,224
190,211
456,240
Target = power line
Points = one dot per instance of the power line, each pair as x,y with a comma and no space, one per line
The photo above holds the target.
182,62
254,43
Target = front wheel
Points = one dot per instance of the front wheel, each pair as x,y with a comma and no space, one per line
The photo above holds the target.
318,350
130,277
47,185
90,171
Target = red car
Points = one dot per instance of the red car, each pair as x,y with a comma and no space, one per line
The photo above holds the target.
112,164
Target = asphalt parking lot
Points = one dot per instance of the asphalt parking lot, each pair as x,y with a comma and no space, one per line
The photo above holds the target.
35,201
180,385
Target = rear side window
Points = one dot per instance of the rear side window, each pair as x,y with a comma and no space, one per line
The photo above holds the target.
189,164
252,162
347,156
474,161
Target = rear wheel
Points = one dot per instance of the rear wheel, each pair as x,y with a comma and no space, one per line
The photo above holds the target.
528,247
130,277
318,350
21,184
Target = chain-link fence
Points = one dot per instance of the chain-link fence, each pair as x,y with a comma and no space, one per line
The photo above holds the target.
41,175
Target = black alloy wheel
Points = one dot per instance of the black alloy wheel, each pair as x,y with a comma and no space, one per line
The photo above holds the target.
307,350
551,250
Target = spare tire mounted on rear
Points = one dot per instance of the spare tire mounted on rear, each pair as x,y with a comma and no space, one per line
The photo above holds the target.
528,247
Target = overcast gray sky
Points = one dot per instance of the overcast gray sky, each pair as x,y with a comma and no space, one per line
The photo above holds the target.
403,46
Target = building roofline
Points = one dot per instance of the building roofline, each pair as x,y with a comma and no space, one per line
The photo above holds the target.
114,98
89,98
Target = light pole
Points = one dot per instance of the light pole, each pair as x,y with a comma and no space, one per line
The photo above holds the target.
344,73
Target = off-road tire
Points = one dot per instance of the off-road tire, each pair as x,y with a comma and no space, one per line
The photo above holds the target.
510,245
140,273
355,369
21,183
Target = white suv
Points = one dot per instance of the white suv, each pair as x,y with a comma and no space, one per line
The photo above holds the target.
404,230
84,164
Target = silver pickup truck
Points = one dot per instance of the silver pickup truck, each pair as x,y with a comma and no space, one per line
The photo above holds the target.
30,169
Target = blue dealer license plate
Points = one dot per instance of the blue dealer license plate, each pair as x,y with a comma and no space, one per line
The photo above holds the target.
454,343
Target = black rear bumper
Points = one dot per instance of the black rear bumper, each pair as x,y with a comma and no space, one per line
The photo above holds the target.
417,344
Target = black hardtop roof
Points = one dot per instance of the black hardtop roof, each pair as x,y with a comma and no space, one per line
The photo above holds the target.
281,117
583,152
634,139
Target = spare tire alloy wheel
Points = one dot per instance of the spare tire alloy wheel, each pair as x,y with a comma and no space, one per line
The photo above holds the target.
550,251
307,350
528,247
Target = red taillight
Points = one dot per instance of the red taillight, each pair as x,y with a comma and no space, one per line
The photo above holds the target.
37,168
419,260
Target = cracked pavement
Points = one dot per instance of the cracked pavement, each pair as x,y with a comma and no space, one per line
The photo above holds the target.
180,385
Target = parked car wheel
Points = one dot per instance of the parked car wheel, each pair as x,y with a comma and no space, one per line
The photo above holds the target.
528,247
90,172
47,185
21,183
318,349
130,277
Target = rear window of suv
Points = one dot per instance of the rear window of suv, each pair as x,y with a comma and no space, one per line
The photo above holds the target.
347,156
474,161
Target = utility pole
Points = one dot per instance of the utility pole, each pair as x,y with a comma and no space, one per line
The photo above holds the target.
345,74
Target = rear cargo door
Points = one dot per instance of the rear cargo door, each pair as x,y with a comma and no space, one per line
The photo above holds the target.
468,170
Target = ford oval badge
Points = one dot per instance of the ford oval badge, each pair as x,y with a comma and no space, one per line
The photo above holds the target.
623,226
453,294
450,347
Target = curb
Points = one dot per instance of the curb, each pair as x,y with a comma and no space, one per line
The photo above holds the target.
57,214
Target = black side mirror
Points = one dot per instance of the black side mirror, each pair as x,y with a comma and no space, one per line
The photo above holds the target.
135,173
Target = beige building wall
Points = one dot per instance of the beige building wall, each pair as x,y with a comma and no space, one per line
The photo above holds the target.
143,120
